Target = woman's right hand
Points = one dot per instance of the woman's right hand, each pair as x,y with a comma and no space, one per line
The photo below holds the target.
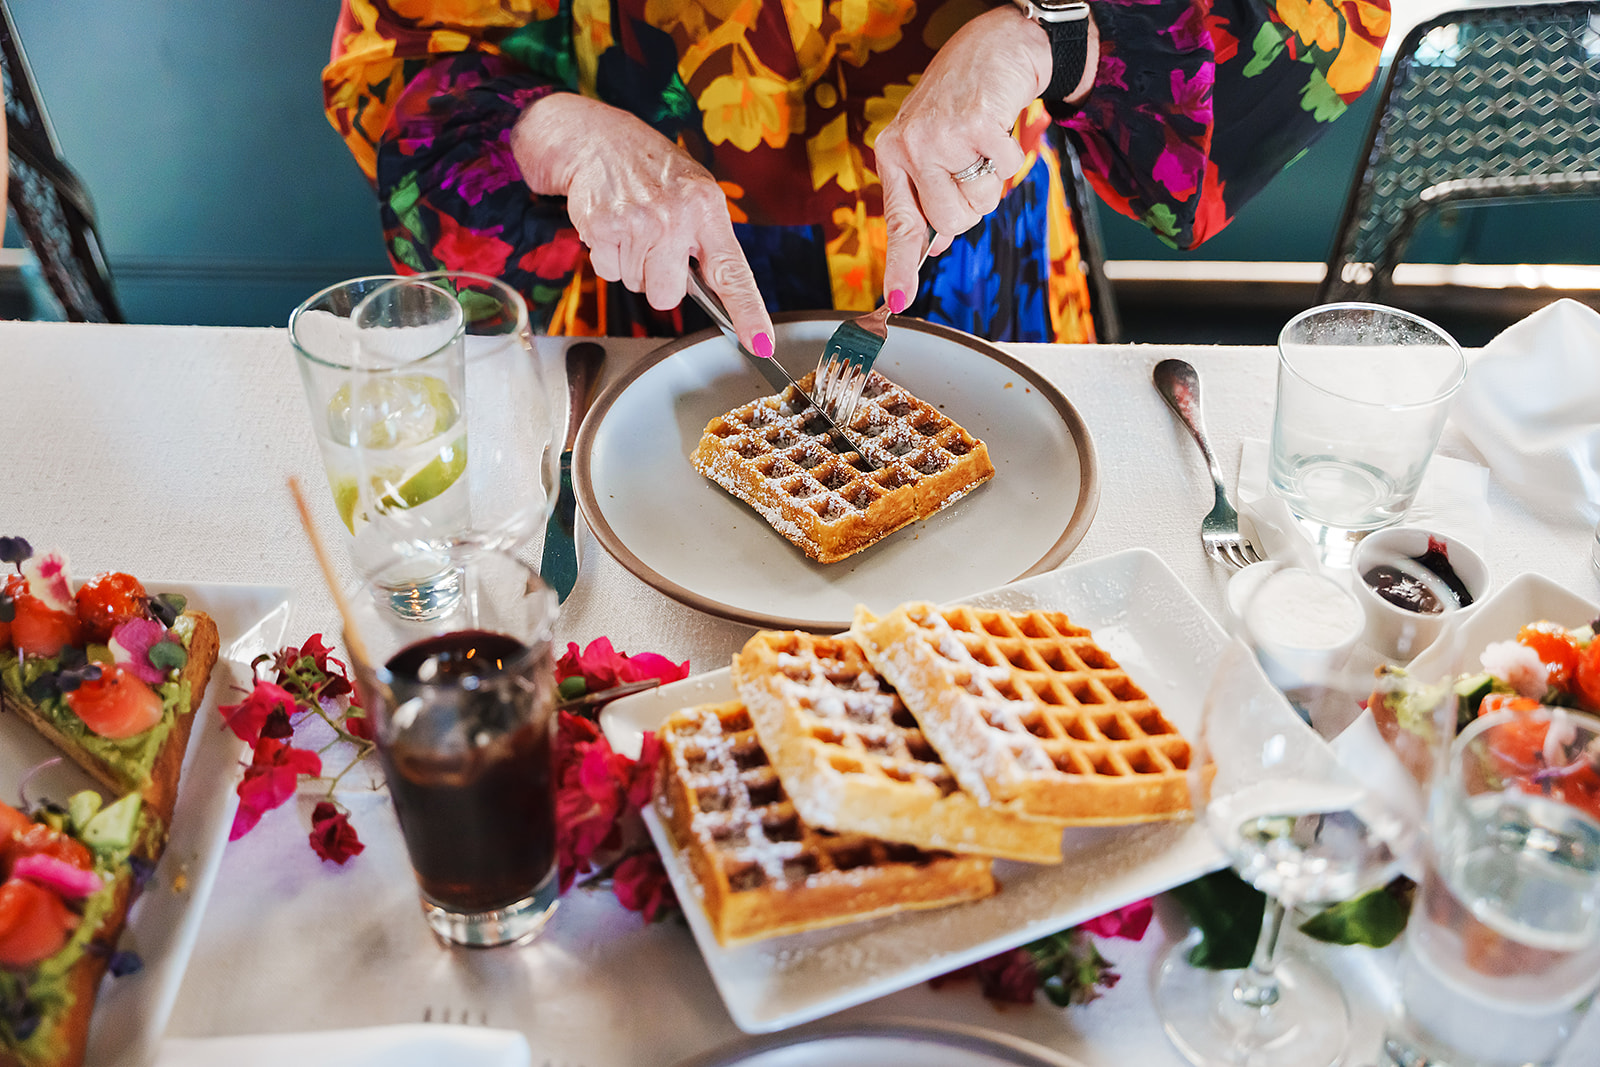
641,205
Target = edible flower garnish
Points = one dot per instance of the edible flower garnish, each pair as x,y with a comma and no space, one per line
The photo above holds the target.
130,646
47,580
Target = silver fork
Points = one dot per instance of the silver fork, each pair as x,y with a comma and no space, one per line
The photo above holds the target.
1179,386
848,357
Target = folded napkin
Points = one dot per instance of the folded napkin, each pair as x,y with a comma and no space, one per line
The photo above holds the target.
413,1045
1453,500
1531,406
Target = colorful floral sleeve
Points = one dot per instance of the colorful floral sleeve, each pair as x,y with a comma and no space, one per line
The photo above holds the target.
1197,105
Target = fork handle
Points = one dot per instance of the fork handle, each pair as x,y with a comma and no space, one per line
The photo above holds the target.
1179,386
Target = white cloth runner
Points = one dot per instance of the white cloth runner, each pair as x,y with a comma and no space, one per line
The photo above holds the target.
410,1045
1453,500
1531,406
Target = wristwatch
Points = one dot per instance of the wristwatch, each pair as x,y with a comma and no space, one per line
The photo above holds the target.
1067,24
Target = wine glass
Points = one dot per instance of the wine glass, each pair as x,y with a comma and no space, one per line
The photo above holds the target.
1304,831
486,478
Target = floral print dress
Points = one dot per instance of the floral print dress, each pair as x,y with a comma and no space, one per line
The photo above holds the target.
1196,105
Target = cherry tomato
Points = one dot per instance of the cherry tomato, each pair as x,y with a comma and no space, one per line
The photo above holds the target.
1555,647
1586,683
106,601
12,823
13,585
34,924
37,839
117,704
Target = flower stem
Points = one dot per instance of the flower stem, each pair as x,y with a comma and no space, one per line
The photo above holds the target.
1257,986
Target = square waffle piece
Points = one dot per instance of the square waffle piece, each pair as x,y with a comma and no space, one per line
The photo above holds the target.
777,460
854,760
761,870
1028,710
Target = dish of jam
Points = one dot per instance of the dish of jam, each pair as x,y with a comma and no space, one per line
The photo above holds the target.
1408,587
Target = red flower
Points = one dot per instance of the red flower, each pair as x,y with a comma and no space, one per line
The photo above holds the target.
641,885
332,836
602,666
361,726
461,248
1129,921
270,780
249,716
595,789
554,260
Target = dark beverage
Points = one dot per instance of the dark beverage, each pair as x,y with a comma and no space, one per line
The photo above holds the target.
465,740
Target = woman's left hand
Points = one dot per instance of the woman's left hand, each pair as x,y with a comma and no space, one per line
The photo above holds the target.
961,110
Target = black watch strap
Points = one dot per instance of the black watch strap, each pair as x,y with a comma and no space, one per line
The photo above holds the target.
1069,48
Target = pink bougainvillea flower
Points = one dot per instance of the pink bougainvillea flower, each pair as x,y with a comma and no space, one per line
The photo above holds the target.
130,646
332,836
1129,921
641,885
361,726
269,781
602,666
248,717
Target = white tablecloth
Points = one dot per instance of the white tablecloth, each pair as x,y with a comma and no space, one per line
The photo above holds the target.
163,451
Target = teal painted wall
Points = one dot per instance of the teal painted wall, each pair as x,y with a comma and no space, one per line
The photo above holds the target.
225,197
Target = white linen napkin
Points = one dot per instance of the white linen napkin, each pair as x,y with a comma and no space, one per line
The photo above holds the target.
1453,500
1531,406
410,1045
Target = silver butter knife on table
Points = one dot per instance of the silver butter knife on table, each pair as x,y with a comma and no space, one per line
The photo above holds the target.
559,568
773,371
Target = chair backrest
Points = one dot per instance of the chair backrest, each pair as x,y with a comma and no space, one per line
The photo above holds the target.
51,204
1081,202
1483,104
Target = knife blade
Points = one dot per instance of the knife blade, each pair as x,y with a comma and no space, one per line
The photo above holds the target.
559,567
773,371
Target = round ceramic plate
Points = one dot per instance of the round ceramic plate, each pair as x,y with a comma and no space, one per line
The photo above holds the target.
887,1044
684,535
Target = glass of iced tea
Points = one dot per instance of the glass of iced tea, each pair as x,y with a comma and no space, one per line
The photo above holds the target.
464,706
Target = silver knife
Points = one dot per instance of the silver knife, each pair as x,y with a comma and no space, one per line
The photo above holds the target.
773,371
559,568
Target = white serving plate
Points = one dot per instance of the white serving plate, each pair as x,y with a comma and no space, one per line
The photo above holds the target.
685,536
1143,615
1526,598
131,1012
891,1043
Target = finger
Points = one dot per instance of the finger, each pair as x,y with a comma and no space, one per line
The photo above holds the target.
728,275
606,260
631,254
666,275
907,230
944,203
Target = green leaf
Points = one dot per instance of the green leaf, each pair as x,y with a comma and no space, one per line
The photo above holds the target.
1268,43
168,656
1319,98
1375,918
1227,912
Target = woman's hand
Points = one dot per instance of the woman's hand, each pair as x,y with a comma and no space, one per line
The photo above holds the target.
641,204
962,108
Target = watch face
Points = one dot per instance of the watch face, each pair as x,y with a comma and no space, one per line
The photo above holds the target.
1055,9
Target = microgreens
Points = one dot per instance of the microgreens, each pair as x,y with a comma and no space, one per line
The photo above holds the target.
14,550
166,607
72,670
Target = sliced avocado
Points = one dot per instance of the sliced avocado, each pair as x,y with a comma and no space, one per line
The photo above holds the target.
116,825
83,806
1470,692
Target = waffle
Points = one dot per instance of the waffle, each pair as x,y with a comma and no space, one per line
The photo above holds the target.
762,871
777,460
854,760
1026,709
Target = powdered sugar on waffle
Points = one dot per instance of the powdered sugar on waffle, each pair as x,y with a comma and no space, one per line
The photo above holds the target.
737,829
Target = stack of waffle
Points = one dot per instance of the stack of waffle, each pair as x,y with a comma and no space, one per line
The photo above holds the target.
882,769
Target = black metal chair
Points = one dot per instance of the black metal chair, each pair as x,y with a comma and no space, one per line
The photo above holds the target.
1082,203
1481,105
51,204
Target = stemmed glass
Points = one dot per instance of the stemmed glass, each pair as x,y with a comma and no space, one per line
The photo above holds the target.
494,487
1304,831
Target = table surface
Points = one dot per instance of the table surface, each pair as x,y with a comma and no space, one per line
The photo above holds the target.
163,451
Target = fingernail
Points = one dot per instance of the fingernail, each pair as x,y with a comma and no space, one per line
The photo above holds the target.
763,343
897,301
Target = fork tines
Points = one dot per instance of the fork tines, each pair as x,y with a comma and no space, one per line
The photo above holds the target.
845,364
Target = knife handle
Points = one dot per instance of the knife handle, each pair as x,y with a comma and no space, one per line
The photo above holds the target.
584,361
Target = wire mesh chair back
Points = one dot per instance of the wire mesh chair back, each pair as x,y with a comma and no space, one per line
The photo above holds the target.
52,206
1484,104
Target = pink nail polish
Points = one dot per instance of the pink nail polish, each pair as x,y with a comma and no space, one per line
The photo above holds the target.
897,301
763,343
